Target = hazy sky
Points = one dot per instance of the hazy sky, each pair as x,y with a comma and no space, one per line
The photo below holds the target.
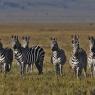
47,10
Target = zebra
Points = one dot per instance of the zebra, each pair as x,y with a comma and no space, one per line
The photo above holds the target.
78,60
26,56
25,44
91,55
6,58
58,57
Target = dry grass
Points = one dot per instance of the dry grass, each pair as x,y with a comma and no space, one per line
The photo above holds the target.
47,84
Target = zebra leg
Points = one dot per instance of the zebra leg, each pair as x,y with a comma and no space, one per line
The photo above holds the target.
9,66
84,71
22,69
61,69
77,72
39,66
4,68
85,75
54,69
92,70
27,67
57,69
1,67
31,68
74,72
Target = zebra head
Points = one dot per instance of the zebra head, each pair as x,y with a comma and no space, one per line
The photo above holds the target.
15,42
54,44
92,44
75,43
25,41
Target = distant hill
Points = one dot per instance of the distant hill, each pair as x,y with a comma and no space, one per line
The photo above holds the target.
47,10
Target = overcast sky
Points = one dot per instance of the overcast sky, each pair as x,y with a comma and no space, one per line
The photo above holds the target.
47,10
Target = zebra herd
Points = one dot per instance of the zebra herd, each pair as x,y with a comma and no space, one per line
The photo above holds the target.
28,56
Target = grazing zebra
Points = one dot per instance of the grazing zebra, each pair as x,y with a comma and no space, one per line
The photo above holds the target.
58,57
78,60
91,55
26,56
6,58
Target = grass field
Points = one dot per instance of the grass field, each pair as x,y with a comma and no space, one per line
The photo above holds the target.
47,84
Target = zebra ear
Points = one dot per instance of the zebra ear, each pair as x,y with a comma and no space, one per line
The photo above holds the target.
77,36
28,38
12,36
89,37
23,37
51,38
55,39
92,37
17,37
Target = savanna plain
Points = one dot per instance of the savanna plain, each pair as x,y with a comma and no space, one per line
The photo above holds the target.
47,83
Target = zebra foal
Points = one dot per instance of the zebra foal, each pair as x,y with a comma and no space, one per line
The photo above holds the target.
78,60
58,57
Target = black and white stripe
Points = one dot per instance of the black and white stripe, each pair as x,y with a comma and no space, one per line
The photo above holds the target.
91,55
78,60
28,55
6,58
58,57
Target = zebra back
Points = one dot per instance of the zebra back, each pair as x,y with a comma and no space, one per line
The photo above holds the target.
34,54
